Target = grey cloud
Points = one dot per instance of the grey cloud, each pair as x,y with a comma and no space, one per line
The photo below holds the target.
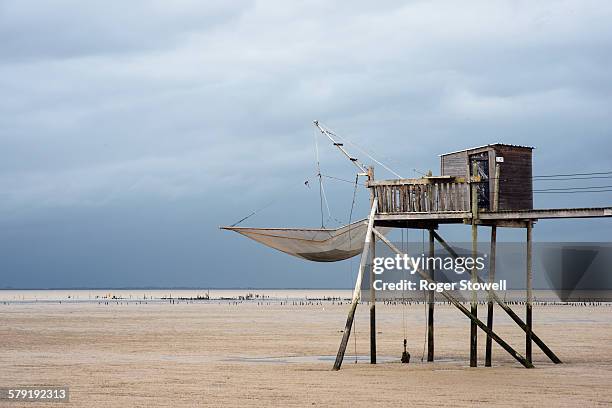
33,30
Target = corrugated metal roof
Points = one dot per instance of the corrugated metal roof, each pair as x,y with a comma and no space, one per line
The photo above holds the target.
487,145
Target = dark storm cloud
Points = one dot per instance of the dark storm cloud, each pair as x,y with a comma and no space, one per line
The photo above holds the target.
200,113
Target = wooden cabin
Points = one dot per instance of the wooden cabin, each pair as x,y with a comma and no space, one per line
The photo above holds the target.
451,191
515,178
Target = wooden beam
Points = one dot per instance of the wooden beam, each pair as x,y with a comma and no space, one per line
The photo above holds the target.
489,343
431,301
357,291
553,357
485,217
528,306
409,224
493,250
459,216
495,206
503,223
547,213
459,306
412,181
372,277
474,303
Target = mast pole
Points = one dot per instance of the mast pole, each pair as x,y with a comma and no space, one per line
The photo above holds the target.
330,135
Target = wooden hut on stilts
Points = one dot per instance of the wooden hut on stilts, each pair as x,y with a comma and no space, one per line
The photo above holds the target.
488,186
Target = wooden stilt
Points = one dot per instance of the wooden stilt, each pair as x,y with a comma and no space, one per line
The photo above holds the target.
459,306
372,311
431,301
474,303
489,343
357,291
372,278
529,300
553,357
494,207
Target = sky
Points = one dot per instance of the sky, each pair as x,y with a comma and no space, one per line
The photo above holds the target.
130,131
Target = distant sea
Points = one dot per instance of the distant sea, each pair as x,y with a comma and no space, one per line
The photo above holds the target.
163,295
270,295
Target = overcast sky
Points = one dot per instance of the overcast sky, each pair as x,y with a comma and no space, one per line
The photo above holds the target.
129,131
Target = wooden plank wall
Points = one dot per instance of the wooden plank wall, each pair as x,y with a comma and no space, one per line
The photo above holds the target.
454,165
515,183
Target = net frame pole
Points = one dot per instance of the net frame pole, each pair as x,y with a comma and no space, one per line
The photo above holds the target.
372,277
357,291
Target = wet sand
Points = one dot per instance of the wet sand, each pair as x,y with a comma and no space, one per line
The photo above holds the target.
245,354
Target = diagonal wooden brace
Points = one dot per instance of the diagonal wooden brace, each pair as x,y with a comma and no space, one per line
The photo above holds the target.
462,308
549,353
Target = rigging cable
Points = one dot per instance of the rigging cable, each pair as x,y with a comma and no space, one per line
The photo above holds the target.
571,192
316,142
597,173
270,203
578,177
572,178
341,179
572,188
363,150
329,214
322,195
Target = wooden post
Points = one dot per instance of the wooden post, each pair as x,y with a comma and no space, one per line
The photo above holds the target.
431,300
459,306
528,333
494,207
357,291
474,305
372,277
490,302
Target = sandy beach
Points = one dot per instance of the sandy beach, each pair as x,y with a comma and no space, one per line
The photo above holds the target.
260,353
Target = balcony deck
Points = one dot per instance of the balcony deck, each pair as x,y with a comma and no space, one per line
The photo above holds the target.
430,201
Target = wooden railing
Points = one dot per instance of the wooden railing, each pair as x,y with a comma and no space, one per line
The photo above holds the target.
421,195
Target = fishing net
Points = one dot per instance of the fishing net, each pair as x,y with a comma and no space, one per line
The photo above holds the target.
319,245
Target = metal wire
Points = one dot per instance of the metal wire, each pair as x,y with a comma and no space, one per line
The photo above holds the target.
361,149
